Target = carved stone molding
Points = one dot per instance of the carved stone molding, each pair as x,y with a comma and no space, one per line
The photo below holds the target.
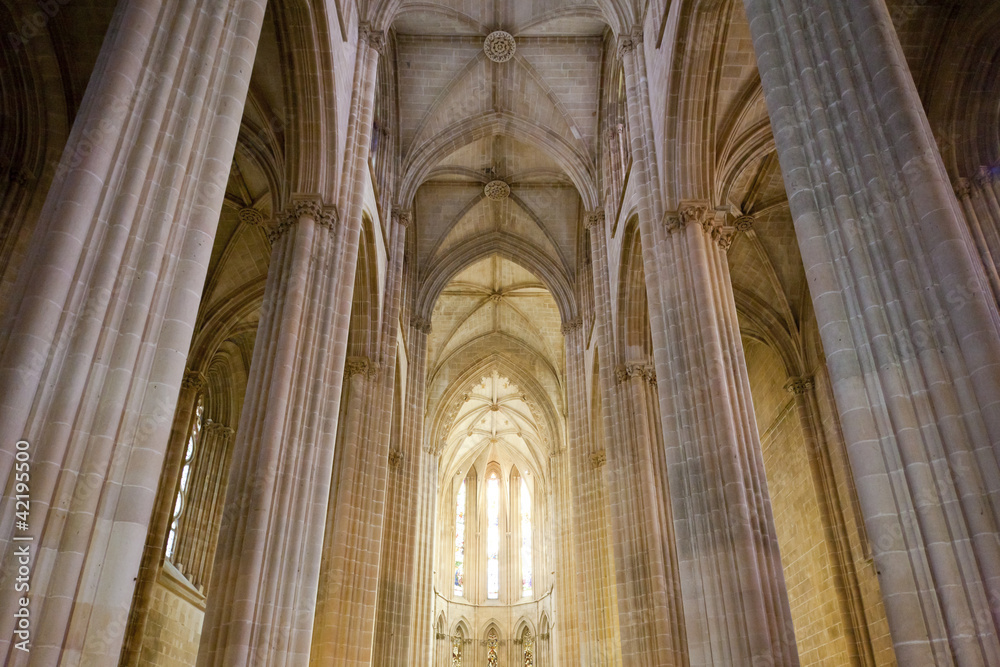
421,325
395,458
963,188
800,385
303,207
192,380
496,190
360,366
375,38
401,216
251,217
219,430
499,46
628,42
984,176
594,219
646,373
723,236
697,213
571,326
598,458
744,223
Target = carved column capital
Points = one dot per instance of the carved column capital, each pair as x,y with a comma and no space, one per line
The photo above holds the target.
646,373
395,458
376,38
220,431
571,326
598,458
799,385
401,215
723,236
303,206
963,188
629,41
193,380
697,213
594,218
360,366
421,325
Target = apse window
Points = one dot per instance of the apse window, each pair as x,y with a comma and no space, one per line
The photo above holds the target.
493,537
526,587
460,541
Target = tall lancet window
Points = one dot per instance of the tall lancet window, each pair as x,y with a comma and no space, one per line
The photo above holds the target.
493,536
526,588
460,541
181,499
529,648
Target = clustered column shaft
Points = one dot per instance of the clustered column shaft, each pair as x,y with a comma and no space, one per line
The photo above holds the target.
910,331
96,341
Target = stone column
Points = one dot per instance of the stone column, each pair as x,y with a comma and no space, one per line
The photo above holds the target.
96,338
401,598
598,635
980,200
643,538
908,323
735,605
267,562
735,601
346,605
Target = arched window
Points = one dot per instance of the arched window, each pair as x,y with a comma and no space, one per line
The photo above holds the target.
528,646
526,586
493,536
460,541
492,648
182,488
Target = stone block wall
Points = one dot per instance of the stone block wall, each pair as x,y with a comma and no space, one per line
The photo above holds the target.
173,629
805,556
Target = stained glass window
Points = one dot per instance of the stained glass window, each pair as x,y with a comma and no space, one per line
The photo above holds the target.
179,501
492,646
460,541
493,537
456,650
529,648
526,571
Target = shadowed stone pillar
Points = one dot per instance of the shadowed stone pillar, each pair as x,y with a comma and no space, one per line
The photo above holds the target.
346,603
645,566
268,557
908,322
564,541
597,617
95,340
268,560
735,604
980,200
397,595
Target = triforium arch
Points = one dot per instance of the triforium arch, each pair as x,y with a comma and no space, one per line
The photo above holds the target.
514,332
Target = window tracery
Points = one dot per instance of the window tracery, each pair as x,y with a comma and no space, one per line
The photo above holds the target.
180,500
492,648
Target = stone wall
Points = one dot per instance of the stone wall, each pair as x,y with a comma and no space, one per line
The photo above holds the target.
805,557
173,629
